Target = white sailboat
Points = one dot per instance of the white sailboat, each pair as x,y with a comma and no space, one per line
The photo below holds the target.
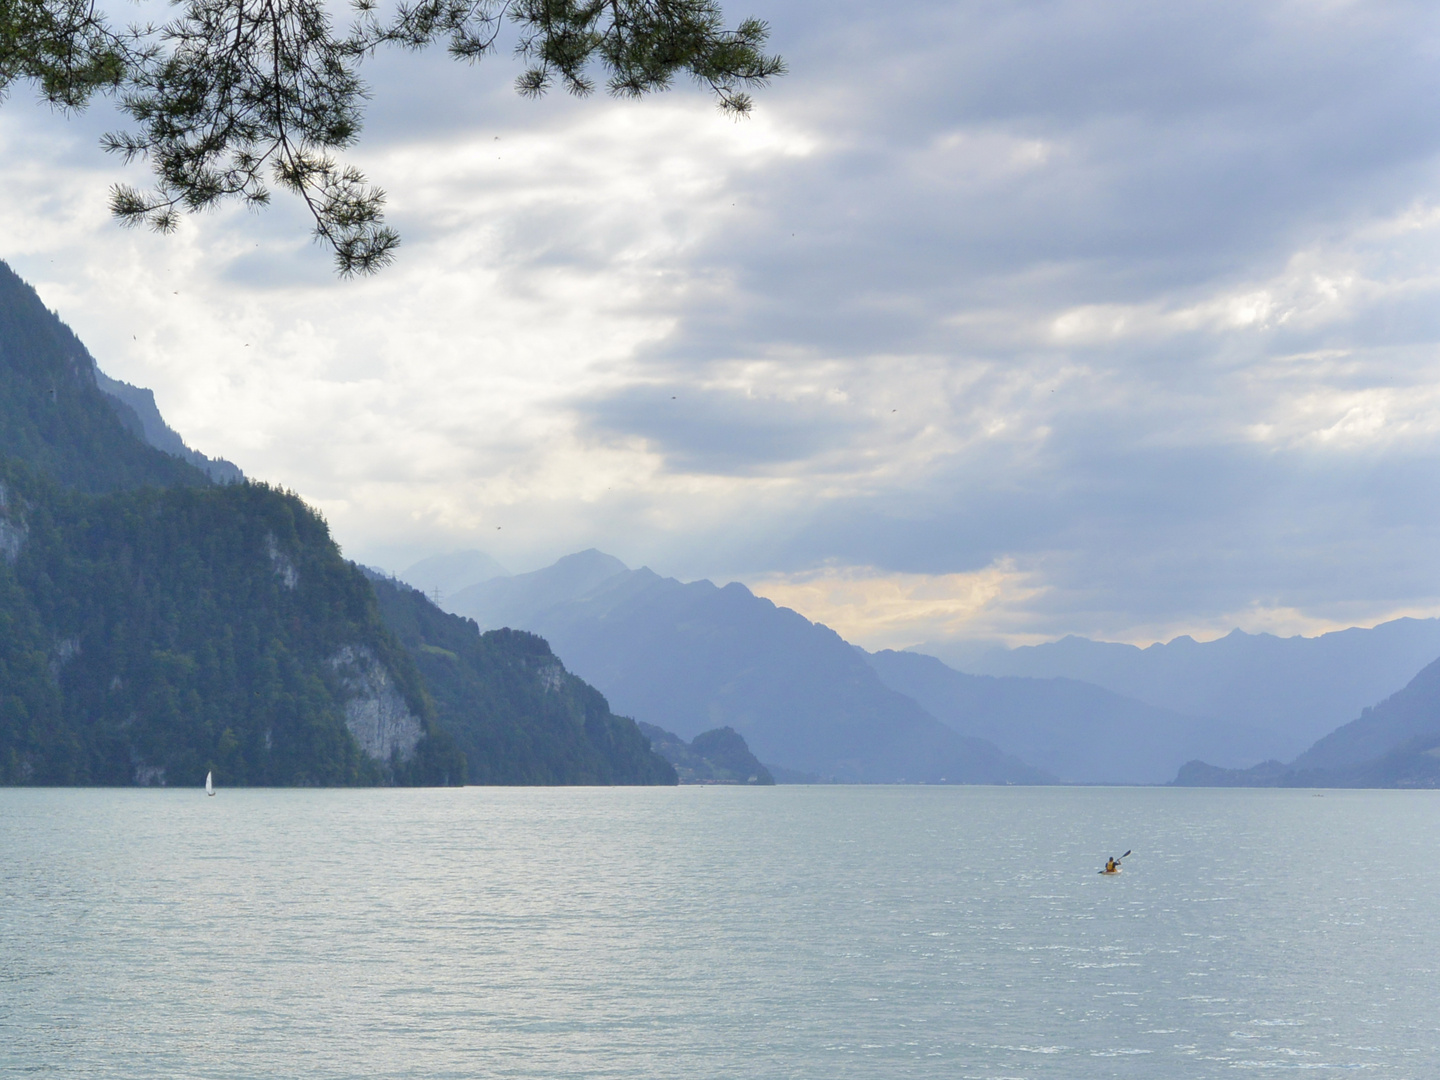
209,784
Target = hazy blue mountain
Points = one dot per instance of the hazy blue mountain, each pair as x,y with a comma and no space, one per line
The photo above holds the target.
445,575
1275,695
693,657
511,706
1394,744
712,757
520,600
1080,732
1410,713
138,411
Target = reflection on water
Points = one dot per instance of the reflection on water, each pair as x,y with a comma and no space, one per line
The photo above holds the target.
711,932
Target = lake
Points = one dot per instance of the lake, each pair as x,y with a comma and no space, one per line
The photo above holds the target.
808,932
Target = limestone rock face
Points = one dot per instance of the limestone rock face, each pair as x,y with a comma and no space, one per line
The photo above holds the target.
552,676
13,529
284,567
62,654
375,711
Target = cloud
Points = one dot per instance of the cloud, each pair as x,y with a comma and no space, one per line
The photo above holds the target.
1135,306
878,609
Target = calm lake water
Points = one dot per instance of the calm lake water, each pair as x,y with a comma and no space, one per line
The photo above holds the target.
816,932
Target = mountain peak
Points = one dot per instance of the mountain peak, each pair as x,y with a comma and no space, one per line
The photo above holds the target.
589,561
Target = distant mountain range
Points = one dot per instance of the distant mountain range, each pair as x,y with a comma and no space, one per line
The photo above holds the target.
693,657
1274,696
1077,731
444,575
689,657
1394,744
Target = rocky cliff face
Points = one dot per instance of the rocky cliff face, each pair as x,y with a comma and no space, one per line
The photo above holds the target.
375,711
12,527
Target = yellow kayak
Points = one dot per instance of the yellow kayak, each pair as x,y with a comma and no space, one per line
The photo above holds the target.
1110,873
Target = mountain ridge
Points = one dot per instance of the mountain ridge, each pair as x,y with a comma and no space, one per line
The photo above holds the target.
1395,743
691,657
1276,695
1080,732
55,416
138,411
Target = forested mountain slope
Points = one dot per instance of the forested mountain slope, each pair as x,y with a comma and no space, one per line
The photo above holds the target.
148,636
154,626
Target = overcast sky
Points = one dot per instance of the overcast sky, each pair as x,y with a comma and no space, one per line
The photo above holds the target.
996,319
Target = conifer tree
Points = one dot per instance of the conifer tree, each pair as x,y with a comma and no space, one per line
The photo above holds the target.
230,98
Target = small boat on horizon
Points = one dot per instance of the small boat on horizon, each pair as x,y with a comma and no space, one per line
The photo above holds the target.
209,784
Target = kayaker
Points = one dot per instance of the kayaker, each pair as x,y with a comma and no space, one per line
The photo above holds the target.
1111,866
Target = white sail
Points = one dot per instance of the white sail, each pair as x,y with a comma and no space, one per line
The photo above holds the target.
209,785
